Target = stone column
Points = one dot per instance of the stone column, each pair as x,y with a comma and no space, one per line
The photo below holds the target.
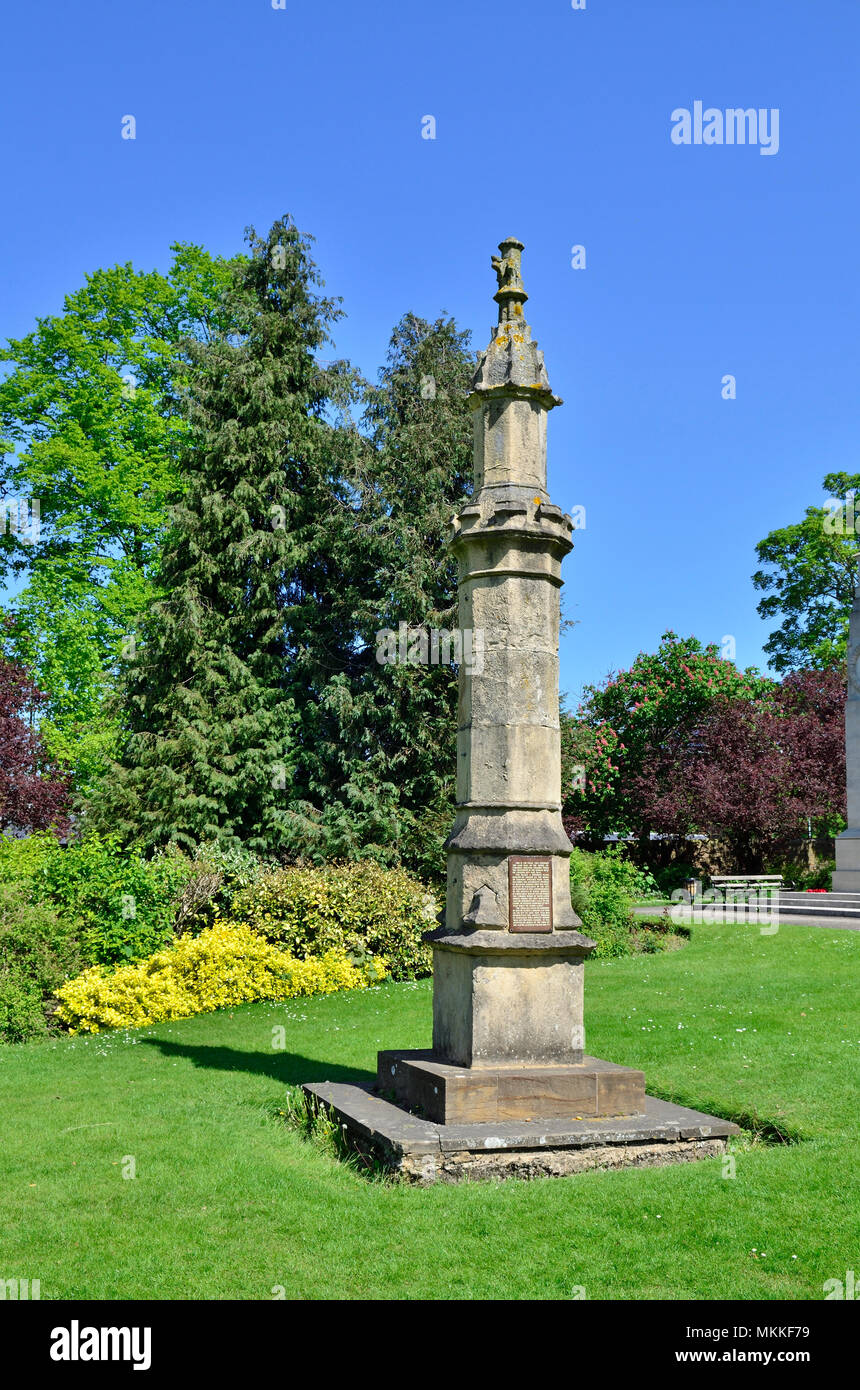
846,876
508,964
509,541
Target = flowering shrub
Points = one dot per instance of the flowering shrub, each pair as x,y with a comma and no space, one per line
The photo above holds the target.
223,966
664,695
362,909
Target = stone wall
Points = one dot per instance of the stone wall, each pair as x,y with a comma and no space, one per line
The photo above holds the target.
711,856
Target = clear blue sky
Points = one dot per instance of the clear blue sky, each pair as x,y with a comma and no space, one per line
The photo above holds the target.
552,125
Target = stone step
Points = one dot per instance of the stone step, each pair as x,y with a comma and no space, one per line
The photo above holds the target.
446,1094
826,910
423,1153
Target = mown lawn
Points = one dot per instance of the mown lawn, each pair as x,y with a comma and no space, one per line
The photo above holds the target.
229,1202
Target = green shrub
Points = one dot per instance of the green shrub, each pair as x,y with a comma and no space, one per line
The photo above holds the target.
658,933
579,897
819,877
122,903
675,875
22,1010
646,884
38,952
239,868
215,876
604,888
362,908
22,857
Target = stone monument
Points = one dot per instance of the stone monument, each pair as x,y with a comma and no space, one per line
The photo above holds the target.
507,1085
846,876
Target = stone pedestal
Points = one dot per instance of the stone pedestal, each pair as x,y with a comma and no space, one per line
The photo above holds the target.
420,1151
502,998
449,1094
846,876
508,1036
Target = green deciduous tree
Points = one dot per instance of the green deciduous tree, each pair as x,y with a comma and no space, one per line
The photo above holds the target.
92,426
663,699
809,581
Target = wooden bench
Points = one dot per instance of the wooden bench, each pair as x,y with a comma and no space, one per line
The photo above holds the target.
732,884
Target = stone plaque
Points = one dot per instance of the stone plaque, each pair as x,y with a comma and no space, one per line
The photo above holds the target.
529,893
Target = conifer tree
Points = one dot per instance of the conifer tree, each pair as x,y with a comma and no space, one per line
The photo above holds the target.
209,699
378,747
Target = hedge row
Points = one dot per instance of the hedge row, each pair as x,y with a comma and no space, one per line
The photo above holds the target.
225,965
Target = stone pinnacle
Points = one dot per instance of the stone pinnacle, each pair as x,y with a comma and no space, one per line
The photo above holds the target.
510,295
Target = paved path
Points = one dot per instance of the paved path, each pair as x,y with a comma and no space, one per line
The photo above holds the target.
832,923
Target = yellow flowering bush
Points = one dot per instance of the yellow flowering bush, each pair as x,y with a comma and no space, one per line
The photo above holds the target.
226,964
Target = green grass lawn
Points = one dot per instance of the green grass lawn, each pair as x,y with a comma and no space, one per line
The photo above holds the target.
229,1202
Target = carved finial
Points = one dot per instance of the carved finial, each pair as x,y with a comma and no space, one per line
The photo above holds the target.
510,295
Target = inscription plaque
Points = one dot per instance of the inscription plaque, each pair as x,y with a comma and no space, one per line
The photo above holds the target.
529,893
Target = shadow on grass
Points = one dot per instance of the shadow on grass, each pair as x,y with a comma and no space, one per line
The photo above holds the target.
289,1068
758,1129
306,1116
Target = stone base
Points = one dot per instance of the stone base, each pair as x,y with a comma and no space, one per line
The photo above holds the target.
422,1152
448,1094
846,875
508,998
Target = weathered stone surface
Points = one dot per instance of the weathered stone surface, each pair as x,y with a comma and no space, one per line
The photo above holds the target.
509,541
559,1163
477,942
424,1153
529,827
846,875
447,1094
479,849
659,1121
495,1001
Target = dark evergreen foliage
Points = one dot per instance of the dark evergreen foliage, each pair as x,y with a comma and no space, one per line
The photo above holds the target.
209,743
255,711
